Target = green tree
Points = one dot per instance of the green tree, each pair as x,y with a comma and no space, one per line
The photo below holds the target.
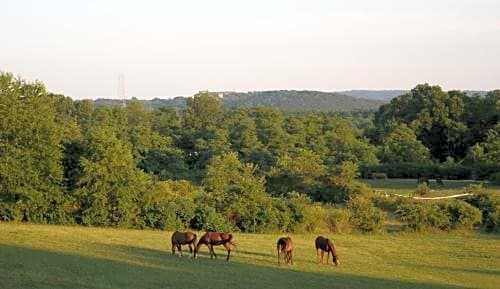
487,152
300,172
345,143
270,129
203,111
435,115
110,184
242,133
30,156
401,146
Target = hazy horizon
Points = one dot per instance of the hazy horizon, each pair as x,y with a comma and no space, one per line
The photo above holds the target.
167,49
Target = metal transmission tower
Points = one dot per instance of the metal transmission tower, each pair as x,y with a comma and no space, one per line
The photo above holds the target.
121,89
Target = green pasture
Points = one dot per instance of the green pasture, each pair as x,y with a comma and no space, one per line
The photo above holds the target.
406,186
43,256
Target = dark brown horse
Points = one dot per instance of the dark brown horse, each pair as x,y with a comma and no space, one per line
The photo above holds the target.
212,239
326,245
285,246
183,238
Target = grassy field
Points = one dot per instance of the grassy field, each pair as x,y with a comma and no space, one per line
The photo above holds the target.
406,186
41,256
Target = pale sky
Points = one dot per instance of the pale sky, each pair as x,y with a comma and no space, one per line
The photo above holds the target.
171,48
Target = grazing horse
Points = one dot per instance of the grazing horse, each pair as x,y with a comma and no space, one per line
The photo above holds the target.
439,181
183,238
326,245
212,239
285,246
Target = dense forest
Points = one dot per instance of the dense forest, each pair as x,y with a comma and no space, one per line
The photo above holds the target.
250,169
287,100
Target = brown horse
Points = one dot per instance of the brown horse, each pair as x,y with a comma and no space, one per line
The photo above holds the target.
212,239
183,238
326,245
285,246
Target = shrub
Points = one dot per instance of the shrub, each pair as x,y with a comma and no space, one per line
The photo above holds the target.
419,216
495,178
167,205
307,217
10,212
343,184
207,219
422,190
254,214
462,215
337,220
386,203
489,205
365,216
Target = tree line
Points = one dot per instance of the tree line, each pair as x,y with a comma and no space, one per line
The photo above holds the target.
210,168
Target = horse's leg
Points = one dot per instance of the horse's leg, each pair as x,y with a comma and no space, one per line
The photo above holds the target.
317,255
328,256
210,250
190,248
228,248
180,249
322,255
197,248
278,249
291,257
213,251
173,248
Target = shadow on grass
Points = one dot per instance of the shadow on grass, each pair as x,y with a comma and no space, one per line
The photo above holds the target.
470,270
132,267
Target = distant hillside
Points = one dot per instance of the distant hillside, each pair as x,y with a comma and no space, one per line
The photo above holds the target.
390,94
283,99
374,94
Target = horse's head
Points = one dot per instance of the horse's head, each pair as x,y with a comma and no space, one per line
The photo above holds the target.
336,259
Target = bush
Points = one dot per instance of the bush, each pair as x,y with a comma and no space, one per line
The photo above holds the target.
419,216
422,190
307,217
207,219
10,212
365,216
343,185
495,178
489,205
462,215
255,214
172,215
167,205
337,220
386,203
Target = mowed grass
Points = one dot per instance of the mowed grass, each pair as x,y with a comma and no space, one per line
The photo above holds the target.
407,186
43,256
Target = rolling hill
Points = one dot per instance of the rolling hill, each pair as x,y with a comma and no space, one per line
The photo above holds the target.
290,100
